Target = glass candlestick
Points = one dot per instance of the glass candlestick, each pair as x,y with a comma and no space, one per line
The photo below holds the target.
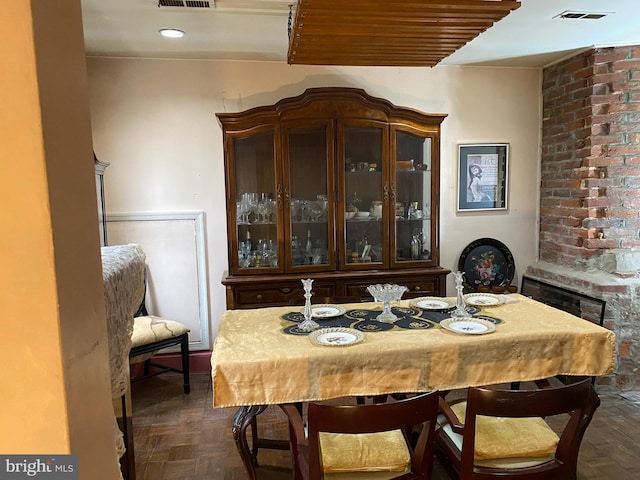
461,306
307,324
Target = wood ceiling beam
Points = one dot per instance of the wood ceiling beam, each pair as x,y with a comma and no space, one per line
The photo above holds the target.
335,32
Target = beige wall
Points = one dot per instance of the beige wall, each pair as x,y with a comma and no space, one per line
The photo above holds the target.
56,395
154,121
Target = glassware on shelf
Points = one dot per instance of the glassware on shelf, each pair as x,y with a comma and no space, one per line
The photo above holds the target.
387,293
376,209
308,324
461,306
416,246
244,254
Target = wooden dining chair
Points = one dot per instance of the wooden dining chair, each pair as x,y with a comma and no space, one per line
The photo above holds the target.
505,433
371,442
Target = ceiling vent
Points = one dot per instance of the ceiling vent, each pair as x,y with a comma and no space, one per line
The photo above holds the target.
582,15
184,3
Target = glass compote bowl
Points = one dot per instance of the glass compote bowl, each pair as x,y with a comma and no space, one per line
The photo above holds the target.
387,293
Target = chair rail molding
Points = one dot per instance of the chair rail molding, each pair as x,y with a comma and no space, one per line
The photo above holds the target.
176,258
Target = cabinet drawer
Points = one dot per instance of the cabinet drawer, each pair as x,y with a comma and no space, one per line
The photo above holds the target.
278,295
418,287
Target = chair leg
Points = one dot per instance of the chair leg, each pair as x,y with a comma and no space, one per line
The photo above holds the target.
147,367
184,350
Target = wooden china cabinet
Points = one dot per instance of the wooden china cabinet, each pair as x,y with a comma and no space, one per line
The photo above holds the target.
333,185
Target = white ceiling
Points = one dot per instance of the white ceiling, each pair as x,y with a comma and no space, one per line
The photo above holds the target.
257,30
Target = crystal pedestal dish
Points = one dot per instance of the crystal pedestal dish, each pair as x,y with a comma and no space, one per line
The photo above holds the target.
387,293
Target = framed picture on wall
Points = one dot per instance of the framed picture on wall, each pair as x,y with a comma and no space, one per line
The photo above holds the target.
482,176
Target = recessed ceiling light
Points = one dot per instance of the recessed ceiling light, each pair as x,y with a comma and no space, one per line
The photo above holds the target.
171,33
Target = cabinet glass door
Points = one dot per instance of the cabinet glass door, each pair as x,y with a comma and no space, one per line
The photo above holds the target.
309,198
363,149
256,209
414,230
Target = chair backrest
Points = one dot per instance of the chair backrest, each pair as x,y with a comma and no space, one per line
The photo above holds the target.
420,410
142,308
577,399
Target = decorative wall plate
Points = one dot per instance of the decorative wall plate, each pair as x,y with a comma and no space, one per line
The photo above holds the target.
336,337
432,303
483,299
327,310
468,325
486,262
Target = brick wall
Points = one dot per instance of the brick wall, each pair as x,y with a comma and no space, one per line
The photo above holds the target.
590,190
590,155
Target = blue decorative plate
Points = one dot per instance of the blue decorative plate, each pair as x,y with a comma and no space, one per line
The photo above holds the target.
486,262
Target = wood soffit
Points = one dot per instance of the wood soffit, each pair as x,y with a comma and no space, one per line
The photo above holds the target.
388,32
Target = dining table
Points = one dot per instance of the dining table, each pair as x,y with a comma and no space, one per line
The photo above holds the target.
261,357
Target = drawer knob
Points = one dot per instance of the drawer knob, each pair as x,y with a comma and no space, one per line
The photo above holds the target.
286,290
417,288
259,297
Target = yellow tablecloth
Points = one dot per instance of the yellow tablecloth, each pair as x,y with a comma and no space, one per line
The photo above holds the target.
255,363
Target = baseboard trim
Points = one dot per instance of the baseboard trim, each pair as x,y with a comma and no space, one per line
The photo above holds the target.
199,362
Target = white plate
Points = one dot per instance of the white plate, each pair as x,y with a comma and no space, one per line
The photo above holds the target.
432,303
326,310
336,337
468,325
483,299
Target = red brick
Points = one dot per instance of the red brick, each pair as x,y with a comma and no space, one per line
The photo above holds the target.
621,107
621,212
606,139
576,63
621,233
609,78
600,243
600,129
602,161
620,289
583,73
630,244
623,192
610,99
602,182
624,150
609,55
603,117
628,64
626,170
572,222
602,69
597,202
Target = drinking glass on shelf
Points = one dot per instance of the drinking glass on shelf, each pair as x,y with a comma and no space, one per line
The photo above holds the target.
244,254
272,211
263,211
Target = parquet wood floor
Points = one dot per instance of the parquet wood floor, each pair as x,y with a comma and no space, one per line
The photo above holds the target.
182,437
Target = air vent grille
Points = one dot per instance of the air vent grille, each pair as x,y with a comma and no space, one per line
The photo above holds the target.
184,3
582,15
